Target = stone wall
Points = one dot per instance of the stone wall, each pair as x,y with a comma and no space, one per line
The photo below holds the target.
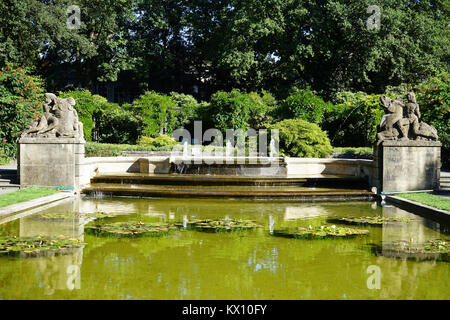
50,161
407,165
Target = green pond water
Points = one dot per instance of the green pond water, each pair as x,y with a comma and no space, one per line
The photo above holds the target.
237,265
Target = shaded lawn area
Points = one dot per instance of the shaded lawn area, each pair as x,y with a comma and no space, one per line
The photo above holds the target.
428,199
25,195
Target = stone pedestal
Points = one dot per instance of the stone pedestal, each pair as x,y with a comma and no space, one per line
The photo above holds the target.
407,165
50,162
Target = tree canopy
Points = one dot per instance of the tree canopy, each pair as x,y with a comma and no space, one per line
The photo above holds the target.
201,46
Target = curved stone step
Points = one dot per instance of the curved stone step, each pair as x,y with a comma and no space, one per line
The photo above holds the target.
227,192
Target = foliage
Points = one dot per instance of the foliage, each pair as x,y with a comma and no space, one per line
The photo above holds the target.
299,138
202,46
428,199
130,229
114,124
237,110
21,102
433,97
353,150
97,49
158,142
38,245
64,216
353,120
189,109
437,249
226,225
303,104
157,112
370,220
86,105
321,232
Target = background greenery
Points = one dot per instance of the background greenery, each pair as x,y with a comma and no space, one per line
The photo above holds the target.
232,64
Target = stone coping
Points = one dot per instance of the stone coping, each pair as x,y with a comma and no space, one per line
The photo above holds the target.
328,160
28,140
439,213
410,143
22,206
93,160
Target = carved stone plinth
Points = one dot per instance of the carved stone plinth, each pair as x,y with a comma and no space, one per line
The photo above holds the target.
50,161
407,165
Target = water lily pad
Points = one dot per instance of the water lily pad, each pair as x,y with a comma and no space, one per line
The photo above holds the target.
371,220
73,215
36,246
220,225
430,250
130,229
321,232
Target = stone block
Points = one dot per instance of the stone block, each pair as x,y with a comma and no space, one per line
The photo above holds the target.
49,161
407,165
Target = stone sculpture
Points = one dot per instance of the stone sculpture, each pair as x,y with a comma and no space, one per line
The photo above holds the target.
402,121
60,119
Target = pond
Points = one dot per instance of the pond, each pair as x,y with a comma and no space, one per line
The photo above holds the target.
247,264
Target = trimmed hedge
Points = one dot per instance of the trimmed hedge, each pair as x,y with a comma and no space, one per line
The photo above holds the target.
299,138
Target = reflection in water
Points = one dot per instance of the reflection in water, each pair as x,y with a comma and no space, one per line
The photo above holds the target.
271,224
253,265
61,272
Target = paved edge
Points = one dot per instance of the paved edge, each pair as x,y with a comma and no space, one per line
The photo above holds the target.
18,207
439,213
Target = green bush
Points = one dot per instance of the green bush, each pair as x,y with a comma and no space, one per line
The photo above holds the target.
159,142
230,110
153,108
114,124
21,102
237,110
354,119
86,105
189,112
299,138
433,97
303,104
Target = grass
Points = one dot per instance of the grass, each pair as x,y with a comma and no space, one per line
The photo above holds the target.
4,160
25,195
427,199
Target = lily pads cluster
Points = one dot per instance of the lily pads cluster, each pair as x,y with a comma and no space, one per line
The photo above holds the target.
73,215
35,246
321,232
371,220
130,229
221,225
430,250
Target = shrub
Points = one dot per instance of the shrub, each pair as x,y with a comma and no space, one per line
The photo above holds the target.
21,102
433,97
303,104
261,112
237,110
159,142
86,105
230,110
154,110
189,108
114,124
354,119
299,138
